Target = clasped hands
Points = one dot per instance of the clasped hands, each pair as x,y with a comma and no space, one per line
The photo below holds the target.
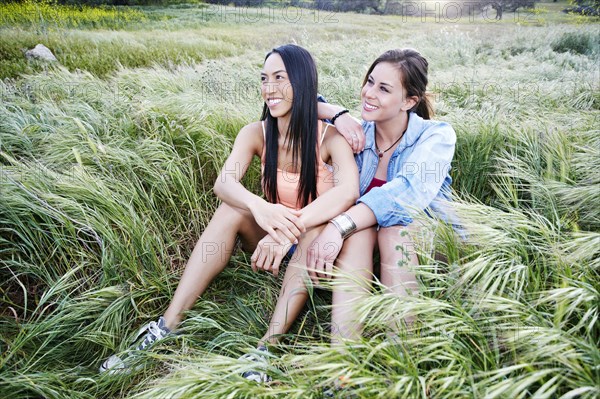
284,228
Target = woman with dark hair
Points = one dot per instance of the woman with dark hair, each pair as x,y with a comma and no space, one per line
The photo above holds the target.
404,170
302,188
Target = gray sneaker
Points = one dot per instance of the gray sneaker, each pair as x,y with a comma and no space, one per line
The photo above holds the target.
260,358
155,331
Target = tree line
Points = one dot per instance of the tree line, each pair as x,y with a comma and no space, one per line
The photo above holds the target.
362,6
585,7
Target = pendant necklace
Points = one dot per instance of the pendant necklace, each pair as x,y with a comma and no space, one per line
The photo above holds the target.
384,151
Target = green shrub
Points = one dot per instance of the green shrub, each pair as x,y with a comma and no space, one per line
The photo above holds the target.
575,42
46,14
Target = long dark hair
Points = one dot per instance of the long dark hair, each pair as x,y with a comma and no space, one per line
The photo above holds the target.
413,75
302,130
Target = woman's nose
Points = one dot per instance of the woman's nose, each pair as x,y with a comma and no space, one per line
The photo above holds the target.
269,87
368,92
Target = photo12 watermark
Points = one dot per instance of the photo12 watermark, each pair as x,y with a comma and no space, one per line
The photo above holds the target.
329,11
320,13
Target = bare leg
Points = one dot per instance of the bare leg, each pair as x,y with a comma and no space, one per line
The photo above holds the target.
355,262
210,256
397,265
293,294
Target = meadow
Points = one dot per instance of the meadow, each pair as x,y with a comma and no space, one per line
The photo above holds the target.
108,158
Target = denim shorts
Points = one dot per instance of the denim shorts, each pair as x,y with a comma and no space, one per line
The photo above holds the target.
290,253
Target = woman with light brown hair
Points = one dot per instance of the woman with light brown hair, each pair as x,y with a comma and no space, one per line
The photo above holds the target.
404,170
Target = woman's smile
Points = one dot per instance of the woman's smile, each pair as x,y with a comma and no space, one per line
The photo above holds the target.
368,107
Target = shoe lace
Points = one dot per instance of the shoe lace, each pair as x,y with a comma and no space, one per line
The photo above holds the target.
260,359
153,333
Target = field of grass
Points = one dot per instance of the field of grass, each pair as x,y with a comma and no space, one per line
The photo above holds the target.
107,161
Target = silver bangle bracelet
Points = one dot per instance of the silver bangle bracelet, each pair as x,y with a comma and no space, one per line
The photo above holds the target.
344,224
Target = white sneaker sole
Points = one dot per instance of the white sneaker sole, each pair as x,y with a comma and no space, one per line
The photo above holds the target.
113,365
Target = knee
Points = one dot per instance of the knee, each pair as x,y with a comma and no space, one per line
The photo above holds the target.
229,215
360,242
357,253
297,280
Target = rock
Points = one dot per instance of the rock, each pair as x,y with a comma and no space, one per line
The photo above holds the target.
40,52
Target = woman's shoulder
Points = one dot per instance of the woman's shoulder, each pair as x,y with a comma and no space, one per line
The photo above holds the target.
252,135
327,130
252,128
442,128
252,131
425,128
333,140
330,135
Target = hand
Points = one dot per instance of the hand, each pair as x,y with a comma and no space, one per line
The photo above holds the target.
322,252
276,216
268,255
352,130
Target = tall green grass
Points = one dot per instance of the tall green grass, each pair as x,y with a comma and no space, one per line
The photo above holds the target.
45,15
105,183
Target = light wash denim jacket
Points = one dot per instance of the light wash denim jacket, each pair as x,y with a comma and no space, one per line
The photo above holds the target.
418,174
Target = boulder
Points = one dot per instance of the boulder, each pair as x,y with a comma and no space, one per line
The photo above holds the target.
40,52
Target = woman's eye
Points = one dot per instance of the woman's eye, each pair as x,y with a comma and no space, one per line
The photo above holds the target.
385,90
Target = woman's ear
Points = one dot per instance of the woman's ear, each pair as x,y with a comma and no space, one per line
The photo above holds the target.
410,103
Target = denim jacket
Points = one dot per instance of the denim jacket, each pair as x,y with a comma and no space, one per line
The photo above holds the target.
418,174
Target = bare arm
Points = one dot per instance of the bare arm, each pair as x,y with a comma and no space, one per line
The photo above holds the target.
327,110
362,216
229,189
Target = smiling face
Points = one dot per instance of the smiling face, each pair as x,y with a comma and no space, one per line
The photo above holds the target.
383,96
276,88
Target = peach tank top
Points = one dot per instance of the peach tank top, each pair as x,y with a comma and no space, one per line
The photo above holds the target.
288,182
